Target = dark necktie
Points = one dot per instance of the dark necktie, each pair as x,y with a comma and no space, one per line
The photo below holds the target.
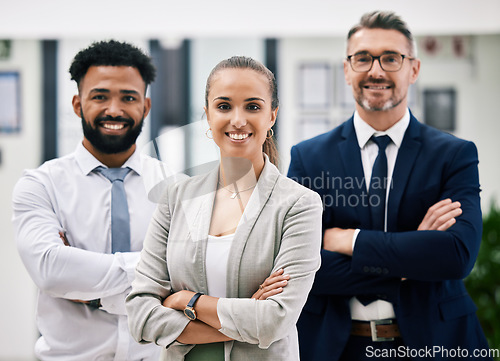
378,184
120,218
377,195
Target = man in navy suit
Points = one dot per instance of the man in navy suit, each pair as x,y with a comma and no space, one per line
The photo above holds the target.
396,246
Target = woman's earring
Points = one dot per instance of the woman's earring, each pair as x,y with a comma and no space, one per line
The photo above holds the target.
211,135
270,133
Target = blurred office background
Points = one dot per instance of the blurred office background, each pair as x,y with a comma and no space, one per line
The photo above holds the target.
303,42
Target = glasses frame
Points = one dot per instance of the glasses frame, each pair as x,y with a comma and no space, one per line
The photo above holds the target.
403,57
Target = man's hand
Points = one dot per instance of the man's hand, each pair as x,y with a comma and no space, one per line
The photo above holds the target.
441,216
62,235
338,240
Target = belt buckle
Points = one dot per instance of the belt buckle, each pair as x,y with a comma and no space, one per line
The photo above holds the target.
373,327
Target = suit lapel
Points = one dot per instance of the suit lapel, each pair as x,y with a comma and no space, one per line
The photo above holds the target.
258,200
197,208
407,155
351,159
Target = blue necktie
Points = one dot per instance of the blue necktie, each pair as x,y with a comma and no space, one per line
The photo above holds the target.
378,184
120,218
377,195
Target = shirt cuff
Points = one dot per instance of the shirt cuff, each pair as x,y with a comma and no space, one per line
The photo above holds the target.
354,237
128,262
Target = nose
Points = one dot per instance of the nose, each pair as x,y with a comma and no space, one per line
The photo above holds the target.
238,120
114,108
376,71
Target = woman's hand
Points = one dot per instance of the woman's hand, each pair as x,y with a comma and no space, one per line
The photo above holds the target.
272,285
178,300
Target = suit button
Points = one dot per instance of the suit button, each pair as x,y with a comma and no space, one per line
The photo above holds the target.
366,269
378,270
372,269
385,271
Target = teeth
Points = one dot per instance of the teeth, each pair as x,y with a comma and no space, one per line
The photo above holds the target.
113,126
378,87
238,136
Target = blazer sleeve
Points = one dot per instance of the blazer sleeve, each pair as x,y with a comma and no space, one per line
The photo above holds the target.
336,276
431,255
149,320
263,322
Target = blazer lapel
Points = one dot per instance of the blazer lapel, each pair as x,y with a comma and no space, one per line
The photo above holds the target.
198,208
351,159
258,200
407,155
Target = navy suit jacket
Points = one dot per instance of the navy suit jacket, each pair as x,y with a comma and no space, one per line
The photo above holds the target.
432,305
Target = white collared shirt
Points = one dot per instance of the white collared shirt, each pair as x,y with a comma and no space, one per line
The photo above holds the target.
369,150
65,194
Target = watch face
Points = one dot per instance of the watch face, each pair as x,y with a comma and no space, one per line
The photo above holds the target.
190,313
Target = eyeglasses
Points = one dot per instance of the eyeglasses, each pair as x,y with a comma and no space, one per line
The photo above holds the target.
363,62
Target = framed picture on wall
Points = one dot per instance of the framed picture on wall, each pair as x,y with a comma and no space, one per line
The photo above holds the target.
440,108
315,86
10,102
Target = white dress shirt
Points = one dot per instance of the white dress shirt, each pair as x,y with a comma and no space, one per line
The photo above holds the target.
379,309
65,194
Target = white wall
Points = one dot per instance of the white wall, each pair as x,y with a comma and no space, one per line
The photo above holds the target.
236,19
19,151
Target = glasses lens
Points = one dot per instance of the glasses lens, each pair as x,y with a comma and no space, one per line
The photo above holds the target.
391,62
361,62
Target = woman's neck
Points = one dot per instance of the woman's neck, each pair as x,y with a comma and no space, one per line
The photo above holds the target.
238,173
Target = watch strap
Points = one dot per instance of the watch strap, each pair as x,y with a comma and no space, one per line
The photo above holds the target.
95,303
193,299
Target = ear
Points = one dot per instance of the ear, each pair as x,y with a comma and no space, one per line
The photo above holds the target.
206,114
274,115
415,70
147,106
77,105
346,72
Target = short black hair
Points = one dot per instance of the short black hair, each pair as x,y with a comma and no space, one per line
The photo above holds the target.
112,53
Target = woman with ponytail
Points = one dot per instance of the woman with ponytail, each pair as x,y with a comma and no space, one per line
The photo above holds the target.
230,256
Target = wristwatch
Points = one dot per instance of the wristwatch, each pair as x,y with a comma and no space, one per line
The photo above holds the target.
189,310
95,303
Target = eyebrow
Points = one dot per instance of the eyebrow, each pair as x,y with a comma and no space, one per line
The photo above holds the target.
104,90
384,52
246,100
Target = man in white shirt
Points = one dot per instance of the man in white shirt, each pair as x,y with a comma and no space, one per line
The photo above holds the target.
63,211
402,218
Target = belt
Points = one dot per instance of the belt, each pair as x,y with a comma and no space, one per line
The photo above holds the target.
378,330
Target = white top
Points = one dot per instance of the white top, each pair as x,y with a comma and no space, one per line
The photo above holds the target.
216,264
369,150
65,194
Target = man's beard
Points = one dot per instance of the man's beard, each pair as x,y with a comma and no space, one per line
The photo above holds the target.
111,144
377,105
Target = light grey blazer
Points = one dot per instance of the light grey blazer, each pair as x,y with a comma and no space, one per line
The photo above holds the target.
281,228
